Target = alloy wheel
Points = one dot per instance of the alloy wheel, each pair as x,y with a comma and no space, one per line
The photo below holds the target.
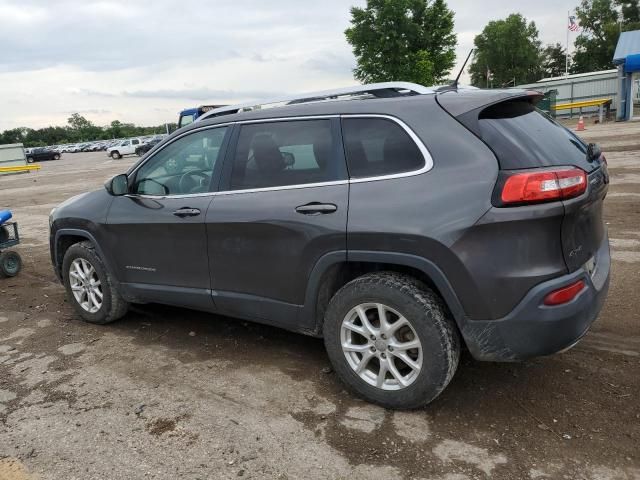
381,346
85,285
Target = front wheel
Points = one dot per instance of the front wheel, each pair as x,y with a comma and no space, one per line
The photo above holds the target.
115,155
10,264
29,159
90,288
56,156
390,341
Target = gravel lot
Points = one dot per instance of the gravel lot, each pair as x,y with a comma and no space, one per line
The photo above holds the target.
170,393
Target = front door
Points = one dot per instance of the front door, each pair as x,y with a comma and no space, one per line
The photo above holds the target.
158,230
284,207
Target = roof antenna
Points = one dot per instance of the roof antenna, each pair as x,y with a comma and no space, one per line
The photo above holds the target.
454,85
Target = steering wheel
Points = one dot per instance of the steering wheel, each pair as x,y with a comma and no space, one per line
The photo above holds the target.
193,182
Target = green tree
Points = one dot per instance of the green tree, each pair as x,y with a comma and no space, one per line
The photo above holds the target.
115,131
630,13
554,58
507,53
82,128
600,31
601,22
402,40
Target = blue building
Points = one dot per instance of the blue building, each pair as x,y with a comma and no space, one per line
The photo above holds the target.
627,59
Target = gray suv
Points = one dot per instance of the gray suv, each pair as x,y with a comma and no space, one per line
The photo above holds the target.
401,224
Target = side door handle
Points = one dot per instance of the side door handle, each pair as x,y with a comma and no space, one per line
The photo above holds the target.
187,212
316,208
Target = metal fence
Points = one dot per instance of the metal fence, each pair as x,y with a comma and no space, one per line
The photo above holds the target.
579,88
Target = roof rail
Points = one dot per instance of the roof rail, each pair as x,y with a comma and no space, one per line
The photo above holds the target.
379,90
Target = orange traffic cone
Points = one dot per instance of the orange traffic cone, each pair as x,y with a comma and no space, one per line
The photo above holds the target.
581,127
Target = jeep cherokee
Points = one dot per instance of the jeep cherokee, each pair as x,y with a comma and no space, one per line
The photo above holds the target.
398,223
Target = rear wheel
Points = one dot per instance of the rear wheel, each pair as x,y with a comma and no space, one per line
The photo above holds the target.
89,286
389,339
29,159
10,264
56,156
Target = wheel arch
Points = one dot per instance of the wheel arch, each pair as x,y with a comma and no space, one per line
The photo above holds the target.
65,238
336,269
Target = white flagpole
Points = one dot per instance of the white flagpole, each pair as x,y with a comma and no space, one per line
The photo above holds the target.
566,62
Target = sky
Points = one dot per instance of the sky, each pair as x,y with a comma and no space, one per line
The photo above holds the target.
142,62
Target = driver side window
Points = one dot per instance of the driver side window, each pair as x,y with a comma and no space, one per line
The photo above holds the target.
183,167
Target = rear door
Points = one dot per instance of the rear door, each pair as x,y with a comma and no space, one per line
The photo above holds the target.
282,207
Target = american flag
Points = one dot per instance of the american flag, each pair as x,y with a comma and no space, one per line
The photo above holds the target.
573,26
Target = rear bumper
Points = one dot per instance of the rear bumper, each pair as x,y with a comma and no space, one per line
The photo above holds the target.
533,329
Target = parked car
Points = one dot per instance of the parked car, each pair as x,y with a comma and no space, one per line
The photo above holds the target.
40,154
142,149
126,147
397,228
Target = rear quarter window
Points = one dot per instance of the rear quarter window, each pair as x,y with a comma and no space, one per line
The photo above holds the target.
377,146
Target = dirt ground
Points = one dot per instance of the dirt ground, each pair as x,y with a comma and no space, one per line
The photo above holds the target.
169,393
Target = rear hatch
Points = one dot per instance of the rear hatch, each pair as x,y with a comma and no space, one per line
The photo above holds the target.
525,139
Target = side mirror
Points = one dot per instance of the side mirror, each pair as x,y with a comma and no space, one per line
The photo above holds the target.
118,185
593,152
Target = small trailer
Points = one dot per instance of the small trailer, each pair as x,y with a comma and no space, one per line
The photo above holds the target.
10,261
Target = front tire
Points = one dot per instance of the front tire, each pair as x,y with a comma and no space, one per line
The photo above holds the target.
390,341
90,288
29,159
56,156
115,155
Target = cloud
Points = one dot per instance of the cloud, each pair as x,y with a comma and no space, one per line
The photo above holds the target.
144,62
201,94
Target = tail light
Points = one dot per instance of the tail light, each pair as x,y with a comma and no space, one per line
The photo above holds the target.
537,186
565,294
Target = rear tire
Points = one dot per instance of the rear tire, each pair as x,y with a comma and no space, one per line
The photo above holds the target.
56,156
417,330
10,264
29,159
111,306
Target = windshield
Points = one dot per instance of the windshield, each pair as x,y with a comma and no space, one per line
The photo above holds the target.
186,120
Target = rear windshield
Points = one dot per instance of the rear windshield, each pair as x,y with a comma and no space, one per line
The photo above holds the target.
524,137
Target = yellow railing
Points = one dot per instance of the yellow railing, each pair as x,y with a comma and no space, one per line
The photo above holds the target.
20,168
587,103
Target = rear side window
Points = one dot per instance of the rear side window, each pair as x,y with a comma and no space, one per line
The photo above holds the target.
378,146
284,153
524,137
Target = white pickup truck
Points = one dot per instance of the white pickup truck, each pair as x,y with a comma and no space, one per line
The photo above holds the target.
126,147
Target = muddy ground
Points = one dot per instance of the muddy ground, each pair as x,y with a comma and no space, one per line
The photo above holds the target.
170,393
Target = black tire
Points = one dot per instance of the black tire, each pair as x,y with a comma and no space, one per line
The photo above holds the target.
10,264
56,156
113,305
115,155
427,315
29,159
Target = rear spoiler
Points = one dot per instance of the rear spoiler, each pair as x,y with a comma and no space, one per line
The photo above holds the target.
466,105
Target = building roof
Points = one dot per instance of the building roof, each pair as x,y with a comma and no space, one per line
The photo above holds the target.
578,75
628,44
